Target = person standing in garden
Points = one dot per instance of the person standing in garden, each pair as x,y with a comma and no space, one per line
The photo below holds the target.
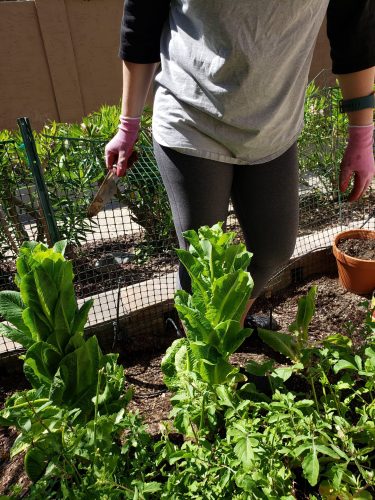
228,109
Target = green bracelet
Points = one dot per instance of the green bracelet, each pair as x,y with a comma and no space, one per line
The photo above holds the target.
357,104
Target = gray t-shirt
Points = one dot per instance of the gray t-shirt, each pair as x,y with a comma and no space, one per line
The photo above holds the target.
233,77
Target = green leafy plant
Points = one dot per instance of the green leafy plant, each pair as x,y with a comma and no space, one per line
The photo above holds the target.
198,365
326,431
303,429
265,443
18,201
322,141
76,407
292,345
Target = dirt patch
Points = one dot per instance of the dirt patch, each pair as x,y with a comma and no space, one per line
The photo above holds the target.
7,272
99,267
358,248
337,310
126,260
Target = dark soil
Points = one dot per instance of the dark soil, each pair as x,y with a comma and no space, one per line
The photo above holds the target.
7,272
318,213
98,268
337,310
358,248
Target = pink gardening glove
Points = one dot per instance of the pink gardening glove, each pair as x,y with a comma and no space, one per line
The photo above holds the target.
358,160
119,154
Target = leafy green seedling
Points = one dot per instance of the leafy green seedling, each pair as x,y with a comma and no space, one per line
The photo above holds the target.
72,380
292,345
221,287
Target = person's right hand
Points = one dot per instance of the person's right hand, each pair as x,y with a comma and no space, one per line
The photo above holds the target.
119,152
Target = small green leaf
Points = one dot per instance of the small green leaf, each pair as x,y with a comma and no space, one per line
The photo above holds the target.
244,449
29,293
75,341
47,292
358,362
326,450
36,322
284,373
151,487
343,364
21,444
280,342
75,381
44,360
16,336
60,246
300,449
210,364
236,257
35,463
230,294
11,308
62,332
305,313
197,326
310,466
337,340
192,265
67,294
231,336
225,396
168,363
81,316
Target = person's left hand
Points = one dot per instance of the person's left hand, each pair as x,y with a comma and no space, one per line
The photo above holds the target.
358,160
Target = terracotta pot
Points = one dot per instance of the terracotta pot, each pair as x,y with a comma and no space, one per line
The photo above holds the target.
356,275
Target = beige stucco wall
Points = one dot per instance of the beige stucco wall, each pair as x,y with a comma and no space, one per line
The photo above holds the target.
25,82
95,35
58,59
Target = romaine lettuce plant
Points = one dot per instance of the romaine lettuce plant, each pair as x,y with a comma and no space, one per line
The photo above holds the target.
76,389
198,365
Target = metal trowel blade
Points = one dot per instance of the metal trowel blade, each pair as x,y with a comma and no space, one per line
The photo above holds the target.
104,195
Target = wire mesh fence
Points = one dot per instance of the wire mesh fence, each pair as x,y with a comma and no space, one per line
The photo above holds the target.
124,257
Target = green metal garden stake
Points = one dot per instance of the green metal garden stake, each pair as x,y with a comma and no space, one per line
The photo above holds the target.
35,165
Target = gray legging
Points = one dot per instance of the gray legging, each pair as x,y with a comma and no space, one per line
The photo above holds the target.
264,197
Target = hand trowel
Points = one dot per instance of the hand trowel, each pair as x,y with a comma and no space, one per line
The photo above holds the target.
104,195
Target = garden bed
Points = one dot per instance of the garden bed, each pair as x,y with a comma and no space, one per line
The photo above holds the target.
336,311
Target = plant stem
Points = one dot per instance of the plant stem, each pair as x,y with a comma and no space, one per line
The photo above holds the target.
96,410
